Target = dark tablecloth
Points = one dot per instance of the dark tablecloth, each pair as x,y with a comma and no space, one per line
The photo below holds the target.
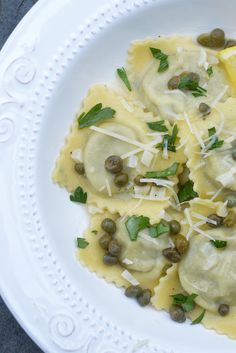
12,338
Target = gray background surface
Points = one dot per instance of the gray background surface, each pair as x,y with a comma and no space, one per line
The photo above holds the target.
12,338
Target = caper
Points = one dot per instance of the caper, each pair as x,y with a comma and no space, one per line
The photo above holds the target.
133,291
230,219
114,164
165,269
177,313
217,38
181,244
223,309
121,179
173,83
105,240
231,198
230,43
108,225
137,180
145,297
109,259
175,227
218,221
171,254
191,75
234,154
204,109
114,248
79,168
204,40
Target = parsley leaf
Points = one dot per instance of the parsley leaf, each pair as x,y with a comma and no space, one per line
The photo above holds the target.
186,83
213,140
172,170
134,224
199,318
219,244
186,192
123,76
169,140
79,195
82,243
157,54
210,71
95,114
158,126
159,229
185,301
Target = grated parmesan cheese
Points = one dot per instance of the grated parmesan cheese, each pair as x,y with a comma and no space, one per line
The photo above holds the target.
158,181
188,217
127,261
222,210
215,195
165,150
108,188
186,118
219,97
227,178
130,278
147,158
203,218
202,62
132,161
200,231
77,156
94,210
127,106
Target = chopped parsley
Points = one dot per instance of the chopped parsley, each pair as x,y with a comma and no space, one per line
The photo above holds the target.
158,126
199,318
94,115
213,140
185,301
186,192
82,243
172,170
186,83
79,195
169,140
159,229
123,76
94,231
159,55
136,223
210,71
219,244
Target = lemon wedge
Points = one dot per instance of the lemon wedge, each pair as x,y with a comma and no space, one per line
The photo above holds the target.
228,59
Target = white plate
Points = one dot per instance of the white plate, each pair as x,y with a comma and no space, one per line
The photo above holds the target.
46,68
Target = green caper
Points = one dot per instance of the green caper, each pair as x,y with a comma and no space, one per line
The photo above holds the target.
230,43
223,309
217,38
191,75
234,154
114,164
172,255
177,313
173,83
145,297
217,219
231,198
137,180
204,40
230,219
133,291
110,260
121,179
181,244
175,227
204,109
79,168
105,240
165,269
114,248
108,225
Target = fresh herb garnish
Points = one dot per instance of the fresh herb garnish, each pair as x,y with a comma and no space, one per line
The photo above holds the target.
82,243
169,140
94,231
185,301
172,170
158,126
210,71
219,244
136,223
186,83
157,54
186,192
213,140
123,76
199,318
159,229
79,195
97,113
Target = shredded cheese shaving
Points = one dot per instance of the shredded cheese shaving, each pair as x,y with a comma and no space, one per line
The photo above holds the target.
77,156
147,158
186,118
108,188
219,97
203,218
130,278
132,162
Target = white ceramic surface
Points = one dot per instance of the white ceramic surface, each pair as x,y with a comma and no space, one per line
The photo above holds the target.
46,68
